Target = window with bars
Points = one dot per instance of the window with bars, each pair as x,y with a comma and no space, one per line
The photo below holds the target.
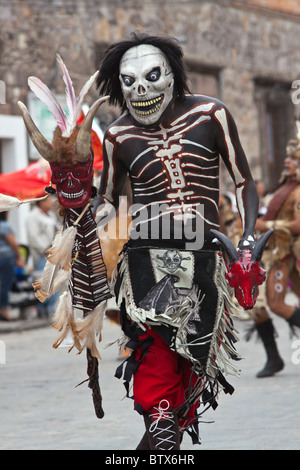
203,79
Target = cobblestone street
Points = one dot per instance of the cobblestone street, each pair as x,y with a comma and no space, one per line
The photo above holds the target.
42,409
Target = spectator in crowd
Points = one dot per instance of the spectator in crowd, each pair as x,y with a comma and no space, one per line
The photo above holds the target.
41,227
10,257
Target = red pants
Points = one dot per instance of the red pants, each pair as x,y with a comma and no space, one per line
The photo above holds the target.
162,375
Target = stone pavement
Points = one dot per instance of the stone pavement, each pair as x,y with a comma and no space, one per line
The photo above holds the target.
42,409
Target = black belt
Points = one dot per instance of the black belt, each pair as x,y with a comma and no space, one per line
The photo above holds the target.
169,244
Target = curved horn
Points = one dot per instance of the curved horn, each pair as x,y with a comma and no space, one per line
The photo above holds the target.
260,245
83,142
227,245
42,145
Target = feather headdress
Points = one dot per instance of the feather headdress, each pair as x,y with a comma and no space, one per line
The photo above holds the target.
81,137
293,145
65,122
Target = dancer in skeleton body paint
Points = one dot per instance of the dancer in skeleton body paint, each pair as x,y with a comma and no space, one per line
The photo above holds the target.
171,287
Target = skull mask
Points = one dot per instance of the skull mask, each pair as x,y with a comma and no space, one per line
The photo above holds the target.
74,183
147,83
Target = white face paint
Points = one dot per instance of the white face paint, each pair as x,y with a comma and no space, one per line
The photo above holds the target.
147,83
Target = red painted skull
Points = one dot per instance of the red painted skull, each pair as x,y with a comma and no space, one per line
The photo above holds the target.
245,276
73,183
245,273
70,156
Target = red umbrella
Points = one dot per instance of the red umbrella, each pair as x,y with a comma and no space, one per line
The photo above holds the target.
28,182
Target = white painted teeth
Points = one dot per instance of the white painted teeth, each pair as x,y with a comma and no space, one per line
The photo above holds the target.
143,104
150,111
72,195
146,103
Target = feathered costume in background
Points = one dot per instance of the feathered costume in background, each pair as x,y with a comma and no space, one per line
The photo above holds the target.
75,258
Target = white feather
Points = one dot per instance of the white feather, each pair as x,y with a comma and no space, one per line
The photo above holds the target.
90,327
66,123
59,279
8,202
64,312
70,94
84,90
46,96
65,321
62,247
74,104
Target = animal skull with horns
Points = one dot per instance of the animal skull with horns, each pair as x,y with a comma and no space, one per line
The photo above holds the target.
70,154
245,273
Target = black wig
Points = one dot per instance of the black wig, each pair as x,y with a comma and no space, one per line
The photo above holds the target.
108,80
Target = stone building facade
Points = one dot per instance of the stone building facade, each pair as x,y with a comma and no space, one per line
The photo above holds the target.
244,52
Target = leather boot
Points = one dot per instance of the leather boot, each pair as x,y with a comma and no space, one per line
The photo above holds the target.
162,428
274,362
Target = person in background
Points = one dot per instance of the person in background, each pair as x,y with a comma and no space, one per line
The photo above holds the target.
41,227
10,257
263,198
281,259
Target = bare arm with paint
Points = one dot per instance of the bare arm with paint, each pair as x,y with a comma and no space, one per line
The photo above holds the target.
233,155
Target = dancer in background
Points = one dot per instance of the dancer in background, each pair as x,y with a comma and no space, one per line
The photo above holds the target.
281,258
41,226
